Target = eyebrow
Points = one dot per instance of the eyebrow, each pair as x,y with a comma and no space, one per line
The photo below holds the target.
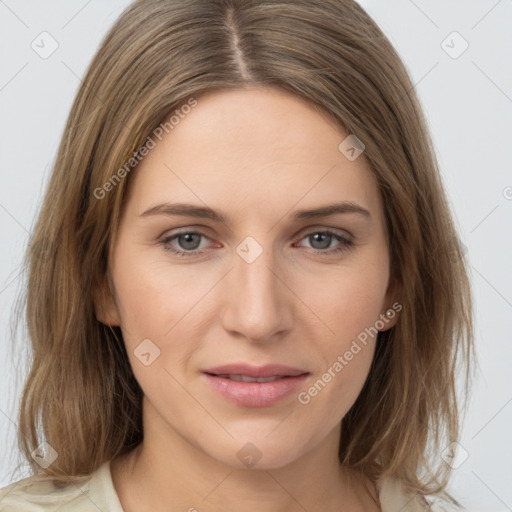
204,212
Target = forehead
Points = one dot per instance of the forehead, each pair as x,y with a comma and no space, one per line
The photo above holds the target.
250,147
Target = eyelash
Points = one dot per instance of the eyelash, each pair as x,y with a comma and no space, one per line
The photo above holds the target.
346,243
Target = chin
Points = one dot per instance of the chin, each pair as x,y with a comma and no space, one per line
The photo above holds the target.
257,451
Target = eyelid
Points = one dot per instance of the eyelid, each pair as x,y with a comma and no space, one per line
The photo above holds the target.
346,239
317,228
302,231
200,229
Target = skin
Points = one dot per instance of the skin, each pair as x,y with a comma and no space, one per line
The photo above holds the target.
257,155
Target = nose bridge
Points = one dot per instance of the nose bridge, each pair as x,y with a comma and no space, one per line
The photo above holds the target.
256,298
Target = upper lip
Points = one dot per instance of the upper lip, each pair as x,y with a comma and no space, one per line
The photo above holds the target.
270,370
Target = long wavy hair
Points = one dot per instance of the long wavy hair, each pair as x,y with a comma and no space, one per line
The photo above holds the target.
81,396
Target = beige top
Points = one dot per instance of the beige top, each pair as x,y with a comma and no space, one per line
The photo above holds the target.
97,493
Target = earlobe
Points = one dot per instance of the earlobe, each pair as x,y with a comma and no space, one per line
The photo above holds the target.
390,317
105,306
393,307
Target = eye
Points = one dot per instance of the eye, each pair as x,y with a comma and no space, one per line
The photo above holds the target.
322,239
188,243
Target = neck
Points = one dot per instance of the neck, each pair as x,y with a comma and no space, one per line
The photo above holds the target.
166,469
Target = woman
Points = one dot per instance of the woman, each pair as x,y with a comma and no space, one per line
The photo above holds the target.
244,288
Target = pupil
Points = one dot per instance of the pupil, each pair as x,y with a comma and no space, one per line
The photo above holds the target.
187,237
326,238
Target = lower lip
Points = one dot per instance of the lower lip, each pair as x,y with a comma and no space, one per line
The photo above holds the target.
255,394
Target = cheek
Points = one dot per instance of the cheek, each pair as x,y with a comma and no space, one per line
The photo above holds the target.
162,304
349,301
349,304
153,296
346,354
153,311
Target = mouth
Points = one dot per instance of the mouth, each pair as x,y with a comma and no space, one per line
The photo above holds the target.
246,378
255,372
252,386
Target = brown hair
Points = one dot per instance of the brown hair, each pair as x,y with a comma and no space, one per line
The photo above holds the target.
81,390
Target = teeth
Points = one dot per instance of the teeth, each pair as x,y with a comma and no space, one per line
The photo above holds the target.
245,378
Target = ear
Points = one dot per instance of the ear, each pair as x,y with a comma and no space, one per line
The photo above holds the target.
105,305
393,305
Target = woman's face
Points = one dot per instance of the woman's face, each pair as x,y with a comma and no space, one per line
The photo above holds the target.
269,284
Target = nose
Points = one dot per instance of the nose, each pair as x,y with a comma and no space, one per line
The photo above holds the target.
258,302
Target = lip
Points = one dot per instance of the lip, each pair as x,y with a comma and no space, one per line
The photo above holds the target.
269,370
255,394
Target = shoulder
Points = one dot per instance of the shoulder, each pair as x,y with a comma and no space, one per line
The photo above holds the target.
31,495
91,493
393,497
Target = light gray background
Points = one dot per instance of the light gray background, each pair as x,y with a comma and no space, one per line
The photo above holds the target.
468,103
